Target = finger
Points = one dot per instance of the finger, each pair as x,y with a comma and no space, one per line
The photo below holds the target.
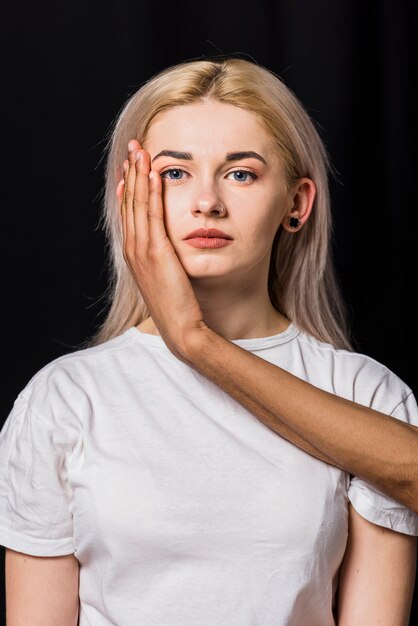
141,198
119,196
122,205
127,206
156,226
128,230
119,191
130,178
136,145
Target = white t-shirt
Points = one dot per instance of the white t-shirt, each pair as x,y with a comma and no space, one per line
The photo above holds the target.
181,506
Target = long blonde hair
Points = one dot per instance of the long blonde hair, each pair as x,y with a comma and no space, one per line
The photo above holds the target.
302,284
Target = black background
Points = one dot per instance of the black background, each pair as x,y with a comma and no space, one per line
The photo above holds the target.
70,66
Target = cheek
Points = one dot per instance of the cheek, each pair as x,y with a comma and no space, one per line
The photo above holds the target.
258,237
174,214
259,229
264,219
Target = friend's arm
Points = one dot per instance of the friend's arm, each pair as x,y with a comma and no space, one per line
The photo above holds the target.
348,435
377,575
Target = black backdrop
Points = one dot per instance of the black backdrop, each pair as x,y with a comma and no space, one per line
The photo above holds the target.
68,68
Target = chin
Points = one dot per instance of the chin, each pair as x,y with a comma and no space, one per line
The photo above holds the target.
202,264
208,274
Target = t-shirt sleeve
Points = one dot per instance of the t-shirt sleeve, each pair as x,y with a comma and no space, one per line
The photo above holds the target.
375,506
35,496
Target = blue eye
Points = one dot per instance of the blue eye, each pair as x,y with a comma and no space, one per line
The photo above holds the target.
178,171
247,173
169,172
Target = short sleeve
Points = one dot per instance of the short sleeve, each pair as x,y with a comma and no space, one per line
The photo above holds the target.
35,497
375,506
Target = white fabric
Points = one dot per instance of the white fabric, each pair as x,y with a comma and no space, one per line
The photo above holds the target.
183,508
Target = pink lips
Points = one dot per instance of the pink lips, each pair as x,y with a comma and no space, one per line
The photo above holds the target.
208,233
208,238
208,242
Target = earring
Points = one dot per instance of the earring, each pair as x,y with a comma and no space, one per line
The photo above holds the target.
293,222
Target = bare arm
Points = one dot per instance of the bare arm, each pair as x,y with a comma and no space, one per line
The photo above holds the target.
377,575
41,591
362,441
357,439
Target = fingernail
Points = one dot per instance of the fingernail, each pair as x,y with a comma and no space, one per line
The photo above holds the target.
131,146
151,175
138,155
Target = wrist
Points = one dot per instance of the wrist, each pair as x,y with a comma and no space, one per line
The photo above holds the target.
195,342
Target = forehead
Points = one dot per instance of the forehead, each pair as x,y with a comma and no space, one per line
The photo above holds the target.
207,125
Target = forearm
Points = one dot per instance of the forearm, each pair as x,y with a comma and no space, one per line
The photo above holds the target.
355,438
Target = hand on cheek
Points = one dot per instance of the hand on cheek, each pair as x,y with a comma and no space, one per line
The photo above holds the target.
150,256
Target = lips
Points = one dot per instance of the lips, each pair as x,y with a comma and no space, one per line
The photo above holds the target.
209,233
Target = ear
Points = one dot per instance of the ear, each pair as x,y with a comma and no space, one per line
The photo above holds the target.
303,196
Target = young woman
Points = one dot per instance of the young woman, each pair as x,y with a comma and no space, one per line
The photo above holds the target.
152,478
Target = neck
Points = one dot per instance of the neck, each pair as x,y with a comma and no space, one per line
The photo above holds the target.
241,314
234,314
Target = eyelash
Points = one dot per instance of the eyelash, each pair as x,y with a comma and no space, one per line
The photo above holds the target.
179,169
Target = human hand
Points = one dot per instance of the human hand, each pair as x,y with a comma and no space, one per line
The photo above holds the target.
150,255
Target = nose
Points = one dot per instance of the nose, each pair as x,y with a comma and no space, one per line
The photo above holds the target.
209,202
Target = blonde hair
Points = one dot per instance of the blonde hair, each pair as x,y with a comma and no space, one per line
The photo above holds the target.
301,283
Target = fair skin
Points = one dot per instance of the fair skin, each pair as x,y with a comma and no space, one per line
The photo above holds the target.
230,283
377,575
197,303
175,281
41,591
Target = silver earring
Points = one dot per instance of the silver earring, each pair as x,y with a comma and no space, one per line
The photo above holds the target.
293,222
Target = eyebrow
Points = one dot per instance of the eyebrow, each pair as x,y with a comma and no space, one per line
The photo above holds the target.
231,156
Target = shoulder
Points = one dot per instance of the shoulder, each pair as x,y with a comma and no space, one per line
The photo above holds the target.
354,375
67,379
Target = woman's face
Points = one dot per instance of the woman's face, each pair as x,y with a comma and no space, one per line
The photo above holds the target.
252,190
